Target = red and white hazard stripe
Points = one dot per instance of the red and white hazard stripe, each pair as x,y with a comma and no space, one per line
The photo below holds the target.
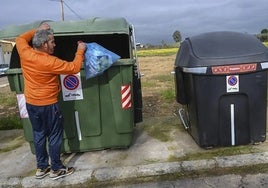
22,106
126,96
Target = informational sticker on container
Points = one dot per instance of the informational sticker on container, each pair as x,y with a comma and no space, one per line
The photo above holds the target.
71,87
232,83
22,106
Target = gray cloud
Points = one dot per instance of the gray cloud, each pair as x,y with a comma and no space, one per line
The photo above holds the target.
154,20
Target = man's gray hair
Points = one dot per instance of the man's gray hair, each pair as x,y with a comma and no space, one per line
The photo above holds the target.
40,37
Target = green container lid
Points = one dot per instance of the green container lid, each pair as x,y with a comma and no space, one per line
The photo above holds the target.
81,27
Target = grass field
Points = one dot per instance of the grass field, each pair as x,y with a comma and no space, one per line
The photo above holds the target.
157,52
164,52
9,116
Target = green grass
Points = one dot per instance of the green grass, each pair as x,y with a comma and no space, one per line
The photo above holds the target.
10,122
217,152
164,51
168,94
160,128
164,78
157,52
13,144
10,119
149,84
8,99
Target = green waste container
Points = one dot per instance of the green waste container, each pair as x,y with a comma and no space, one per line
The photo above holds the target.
100,112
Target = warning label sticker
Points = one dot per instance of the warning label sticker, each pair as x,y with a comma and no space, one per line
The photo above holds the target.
232,83
71,87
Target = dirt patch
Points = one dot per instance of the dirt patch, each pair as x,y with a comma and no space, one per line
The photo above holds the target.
157,77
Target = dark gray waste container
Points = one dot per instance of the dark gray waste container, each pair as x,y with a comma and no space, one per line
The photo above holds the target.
221,81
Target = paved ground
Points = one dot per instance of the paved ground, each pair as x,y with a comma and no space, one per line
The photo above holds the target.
230,180
147,157
223,181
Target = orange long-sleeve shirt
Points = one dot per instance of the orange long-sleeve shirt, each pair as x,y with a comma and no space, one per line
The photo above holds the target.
40,71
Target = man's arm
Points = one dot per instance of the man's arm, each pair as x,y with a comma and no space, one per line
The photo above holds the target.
22,41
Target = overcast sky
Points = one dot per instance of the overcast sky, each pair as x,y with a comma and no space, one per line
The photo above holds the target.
154,20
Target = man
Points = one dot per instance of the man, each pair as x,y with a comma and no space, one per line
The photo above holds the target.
41,87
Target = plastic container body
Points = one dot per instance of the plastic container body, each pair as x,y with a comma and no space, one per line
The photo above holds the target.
221,81
97,116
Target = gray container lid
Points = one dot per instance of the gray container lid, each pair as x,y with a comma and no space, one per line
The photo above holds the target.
220,48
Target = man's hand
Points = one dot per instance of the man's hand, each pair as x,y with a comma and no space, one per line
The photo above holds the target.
81,45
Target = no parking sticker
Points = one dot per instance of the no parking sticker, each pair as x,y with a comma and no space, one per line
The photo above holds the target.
232,83
71,87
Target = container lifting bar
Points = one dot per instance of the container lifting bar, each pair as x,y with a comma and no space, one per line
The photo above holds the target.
76,115
135,49
232,125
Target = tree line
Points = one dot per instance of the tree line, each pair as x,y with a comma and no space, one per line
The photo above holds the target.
263,36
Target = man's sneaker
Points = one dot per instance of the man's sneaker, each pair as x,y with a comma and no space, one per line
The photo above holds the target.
61,173
41,173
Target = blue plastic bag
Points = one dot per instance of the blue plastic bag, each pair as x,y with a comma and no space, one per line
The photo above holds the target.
98,59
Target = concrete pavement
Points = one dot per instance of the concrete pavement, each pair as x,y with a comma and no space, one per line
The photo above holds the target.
147,157
221,181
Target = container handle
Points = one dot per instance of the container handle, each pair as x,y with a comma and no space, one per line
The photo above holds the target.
135,51
182,116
